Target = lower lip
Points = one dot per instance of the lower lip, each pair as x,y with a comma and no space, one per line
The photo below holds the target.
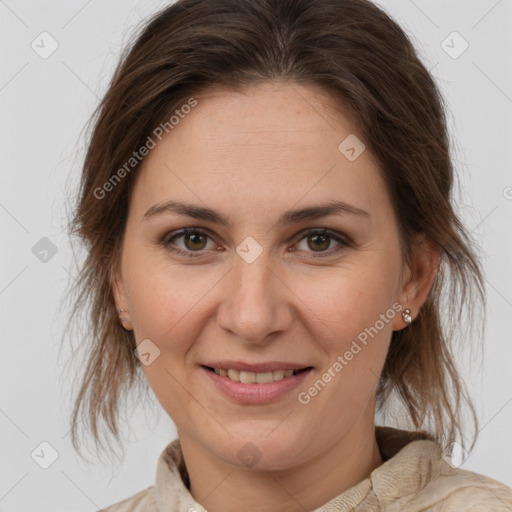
255,393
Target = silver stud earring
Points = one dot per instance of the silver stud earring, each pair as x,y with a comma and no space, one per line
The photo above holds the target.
121,318
406,315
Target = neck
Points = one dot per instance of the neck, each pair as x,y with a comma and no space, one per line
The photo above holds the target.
223,487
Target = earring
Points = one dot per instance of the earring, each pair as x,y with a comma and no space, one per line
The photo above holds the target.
406,315
121,318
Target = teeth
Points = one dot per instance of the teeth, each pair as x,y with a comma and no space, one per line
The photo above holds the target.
251,377
234,375
278,374
263,378
247,377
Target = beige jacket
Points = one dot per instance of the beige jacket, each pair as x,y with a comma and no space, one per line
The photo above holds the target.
414,477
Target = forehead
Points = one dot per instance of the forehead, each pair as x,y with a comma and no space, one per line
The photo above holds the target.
268,145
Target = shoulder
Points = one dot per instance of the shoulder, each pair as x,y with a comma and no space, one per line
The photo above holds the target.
460,490
143,501
417,476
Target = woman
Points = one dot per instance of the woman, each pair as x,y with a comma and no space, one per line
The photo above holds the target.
302,148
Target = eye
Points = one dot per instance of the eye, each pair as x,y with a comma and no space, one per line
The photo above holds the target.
193,239
196,240
320,240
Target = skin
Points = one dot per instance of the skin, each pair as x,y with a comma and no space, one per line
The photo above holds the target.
251,155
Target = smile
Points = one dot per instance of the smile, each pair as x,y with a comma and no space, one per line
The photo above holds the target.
254,387
246,377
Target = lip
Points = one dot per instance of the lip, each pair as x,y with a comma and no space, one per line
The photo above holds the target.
256,393
269,366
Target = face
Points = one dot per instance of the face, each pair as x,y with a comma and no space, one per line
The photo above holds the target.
251,292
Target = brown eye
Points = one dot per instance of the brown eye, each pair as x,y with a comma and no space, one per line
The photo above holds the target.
319,242
194,241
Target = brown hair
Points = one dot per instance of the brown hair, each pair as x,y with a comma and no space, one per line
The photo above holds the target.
356,52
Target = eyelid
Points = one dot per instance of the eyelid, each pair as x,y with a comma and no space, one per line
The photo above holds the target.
168,236
343,240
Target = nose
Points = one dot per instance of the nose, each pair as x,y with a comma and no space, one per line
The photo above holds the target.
255,305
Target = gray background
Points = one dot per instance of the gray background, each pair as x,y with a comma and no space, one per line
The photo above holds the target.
45,104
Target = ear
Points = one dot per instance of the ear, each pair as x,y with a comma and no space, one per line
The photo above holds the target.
418,279
119,296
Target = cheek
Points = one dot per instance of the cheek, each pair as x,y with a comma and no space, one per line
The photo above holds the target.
345,302
165,305
350,317
167,300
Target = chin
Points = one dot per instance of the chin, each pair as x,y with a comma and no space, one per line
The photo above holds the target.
262,449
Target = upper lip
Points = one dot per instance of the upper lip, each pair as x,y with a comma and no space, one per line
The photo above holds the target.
268,366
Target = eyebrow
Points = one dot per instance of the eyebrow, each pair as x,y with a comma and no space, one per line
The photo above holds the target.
289,217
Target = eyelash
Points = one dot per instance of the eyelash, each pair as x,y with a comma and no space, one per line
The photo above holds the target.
166,240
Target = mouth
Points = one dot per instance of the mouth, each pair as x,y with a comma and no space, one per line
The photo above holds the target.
248,377
255,384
